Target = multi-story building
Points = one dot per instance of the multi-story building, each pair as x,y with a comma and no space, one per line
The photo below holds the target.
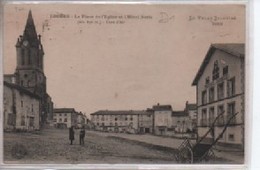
65,117
145,121
220,84
81,120
191,110
162,118
131,121
180,121
29,73
21,108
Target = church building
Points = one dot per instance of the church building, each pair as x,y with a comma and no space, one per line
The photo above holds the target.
29,73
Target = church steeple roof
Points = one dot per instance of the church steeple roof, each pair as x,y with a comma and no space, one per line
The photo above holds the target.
30,33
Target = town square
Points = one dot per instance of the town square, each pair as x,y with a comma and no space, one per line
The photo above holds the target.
92,89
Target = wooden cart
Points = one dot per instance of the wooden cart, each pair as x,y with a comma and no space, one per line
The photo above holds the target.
200,151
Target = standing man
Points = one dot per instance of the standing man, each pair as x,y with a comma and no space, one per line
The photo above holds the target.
71,135
82,136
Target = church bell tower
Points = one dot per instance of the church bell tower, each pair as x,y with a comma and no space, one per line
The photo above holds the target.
29,71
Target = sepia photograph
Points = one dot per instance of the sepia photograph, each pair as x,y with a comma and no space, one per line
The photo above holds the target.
124,84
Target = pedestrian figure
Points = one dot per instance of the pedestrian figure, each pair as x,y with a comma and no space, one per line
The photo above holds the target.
82,136
71,135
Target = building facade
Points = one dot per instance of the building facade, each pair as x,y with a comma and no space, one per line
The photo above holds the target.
21,108
191,110
129,121
162,118
65,117
145,121
220,85
180,121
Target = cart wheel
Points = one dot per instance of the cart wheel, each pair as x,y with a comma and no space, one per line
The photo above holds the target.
186,155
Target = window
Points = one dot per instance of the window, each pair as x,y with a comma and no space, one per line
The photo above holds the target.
211,115
211,94
126,118
22,121
221,117
60,114
97,124
102,118
231,137
215,72
23,60
225,70
103,124
116,119
220,90
32,107
60,120
21,82
29,56
55,120
111,124
204,97
11,119
207,80
204,117
231,87
21,103
231,112
31,121
131,117
65,119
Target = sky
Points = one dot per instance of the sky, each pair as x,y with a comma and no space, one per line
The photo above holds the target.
142,55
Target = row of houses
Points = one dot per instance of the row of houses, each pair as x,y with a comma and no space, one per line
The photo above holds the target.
159,120
220,89
68,117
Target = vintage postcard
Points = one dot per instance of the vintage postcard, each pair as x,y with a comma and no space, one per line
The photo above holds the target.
124,83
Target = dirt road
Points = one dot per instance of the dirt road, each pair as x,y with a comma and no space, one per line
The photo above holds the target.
52,146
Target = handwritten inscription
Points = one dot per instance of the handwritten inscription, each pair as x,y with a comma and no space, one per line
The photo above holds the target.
165,17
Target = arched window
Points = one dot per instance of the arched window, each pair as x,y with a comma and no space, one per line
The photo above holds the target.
215,73
22,121
29,56
22,53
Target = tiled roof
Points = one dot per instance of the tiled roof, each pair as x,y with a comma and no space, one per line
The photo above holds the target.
120,112
191,106
162,107
64,110
237,50
21,89
179,113
234,49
